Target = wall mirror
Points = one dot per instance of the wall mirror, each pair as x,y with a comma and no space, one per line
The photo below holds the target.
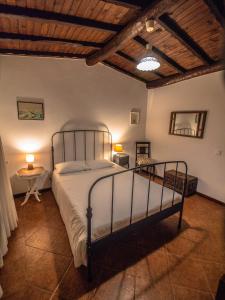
188,123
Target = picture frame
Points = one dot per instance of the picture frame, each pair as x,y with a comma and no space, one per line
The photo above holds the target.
188,123
30,110
134,117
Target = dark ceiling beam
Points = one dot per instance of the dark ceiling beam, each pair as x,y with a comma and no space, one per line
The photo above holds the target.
195,72
217,9
6,36
172,27
12,37
117,68
52,17
161,55
132,29
40,53
134,62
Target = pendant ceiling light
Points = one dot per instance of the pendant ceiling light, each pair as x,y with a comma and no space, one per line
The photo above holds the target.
149,62
150,25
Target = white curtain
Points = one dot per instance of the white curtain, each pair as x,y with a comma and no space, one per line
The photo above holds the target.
8,215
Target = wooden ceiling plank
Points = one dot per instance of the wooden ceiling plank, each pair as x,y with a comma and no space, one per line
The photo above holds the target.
132,29
58,6
52,17
216,11
203,27
195,72
117,68
67,6
39,53
127,3
163,56
171,26
6,36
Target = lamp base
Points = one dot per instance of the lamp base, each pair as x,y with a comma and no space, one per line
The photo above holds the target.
30,166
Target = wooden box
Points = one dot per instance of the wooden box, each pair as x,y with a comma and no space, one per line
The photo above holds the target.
192,182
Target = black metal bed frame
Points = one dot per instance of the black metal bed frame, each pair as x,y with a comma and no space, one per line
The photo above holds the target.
84,131
92,245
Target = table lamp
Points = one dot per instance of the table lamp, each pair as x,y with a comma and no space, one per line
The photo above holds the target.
118,148
30,160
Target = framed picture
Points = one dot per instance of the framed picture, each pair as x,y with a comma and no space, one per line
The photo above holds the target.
134,117
29,110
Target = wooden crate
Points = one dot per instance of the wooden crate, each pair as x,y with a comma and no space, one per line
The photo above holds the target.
192,182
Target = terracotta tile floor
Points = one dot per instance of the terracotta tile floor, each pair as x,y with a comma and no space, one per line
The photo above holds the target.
156,263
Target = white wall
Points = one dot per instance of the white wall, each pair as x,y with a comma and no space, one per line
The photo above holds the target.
202,93
71,92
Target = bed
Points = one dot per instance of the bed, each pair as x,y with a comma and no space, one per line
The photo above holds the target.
98,205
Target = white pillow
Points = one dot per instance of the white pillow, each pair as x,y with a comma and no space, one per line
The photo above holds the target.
71,166
99,164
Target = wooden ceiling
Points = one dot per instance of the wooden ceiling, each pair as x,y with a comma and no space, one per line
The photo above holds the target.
188,35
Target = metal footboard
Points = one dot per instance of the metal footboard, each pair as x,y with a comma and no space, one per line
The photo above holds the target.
153,218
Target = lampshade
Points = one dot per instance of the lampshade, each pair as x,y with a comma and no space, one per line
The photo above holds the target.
149,62
29,158
118,148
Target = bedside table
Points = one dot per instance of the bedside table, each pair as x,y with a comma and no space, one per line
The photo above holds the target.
121,159
34,179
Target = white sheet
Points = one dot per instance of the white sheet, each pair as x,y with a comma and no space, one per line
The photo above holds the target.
71,193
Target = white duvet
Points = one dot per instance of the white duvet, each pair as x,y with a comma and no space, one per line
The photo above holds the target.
71,194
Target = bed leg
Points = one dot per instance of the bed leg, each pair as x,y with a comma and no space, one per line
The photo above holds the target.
89,271
89,266
180,220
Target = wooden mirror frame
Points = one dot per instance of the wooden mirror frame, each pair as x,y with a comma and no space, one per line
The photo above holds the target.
201,121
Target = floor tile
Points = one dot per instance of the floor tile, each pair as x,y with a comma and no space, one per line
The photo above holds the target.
120,286
50,239
13,277
45,269
211,249
188,242
147,288
16,250
187,272
74,285
27,227
30,293
214,272
183,293
156,262
152,280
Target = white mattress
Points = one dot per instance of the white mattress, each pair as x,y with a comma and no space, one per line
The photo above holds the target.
71,194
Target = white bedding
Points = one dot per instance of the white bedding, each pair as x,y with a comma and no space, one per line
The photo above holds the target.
71,193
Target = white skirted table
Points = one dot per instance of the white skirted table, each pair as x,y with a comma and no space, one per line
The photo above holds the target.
35,179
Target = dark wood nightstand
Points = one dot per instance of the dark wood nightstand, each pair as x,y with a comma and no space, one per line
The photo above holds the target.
121,159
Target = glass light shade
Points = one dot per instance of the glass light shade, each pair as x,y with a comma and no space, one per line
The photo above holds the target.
148,63
118,148
29,158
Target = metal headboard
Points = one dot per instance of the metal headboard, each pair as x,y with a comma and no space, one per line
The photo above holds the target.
72,141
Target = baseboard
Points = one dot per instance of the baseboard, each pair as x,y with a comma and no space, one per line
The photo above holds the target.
211,198
23,194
